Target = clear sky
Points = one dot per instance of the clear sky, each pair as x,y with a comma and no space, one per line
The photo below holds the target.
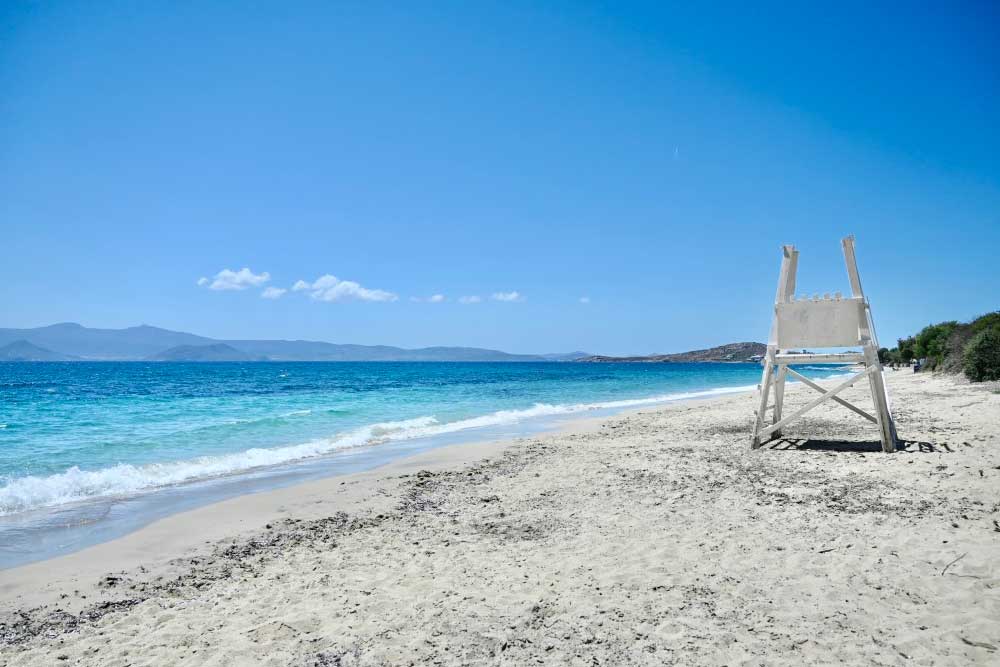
628,170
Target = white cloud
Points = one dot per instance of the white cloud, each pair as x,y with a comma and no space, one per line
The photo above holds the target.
331,289
509,297
227,279
584,299
272,292
469,299
435,298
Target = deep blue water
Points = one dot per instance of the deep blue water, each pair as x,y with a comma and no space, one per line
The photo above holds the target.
79,433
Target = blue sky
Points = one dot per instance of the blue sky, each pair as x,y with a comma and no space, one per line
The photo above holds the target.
646,158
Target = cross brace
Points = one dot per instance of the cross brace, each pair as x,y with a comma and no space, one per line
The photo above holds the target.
809,383
832,393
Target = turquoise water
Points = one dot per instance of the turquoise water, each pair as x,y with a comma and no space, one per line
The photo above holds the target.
79,433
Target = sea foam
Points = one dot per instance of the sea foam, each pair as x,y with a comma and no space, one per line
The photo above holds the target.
75,485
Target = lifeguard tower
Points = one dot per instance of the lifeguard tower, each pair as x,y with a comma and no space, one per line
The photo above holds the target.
811,323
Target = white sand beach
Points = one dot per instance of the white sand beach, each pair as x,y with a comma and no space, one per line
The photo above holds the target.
654,537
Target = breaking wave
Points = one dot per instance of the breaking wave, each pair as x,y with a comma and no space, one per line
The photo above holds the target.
74,485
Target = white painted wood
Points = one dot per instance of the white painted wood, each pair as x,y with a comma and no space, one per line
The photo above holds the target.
837,399
779,397
827,395
793,269
765,388
847,243
821,322
885,425
831,358
786,276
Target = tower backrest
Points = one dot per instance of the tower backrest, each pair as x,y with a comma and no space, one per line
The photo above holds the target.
820,323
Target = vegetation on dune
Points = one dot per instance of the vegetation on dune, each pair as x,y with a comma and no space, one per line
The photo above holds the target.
981,359
972,348
932,342
905,349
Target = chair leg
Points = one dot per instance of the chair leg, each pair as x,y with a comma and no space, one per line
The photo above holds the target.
765,389
888,427
887,431
779,397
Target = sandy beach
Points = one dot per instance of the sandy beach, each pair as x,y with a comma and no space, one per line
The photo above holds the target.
653,537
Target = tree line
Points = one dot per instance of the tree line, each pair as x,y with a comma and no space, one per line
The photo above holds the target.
972,348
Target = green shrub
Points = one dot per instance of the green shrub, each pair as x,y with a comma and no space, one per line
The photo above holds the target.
987,321
982,356
954,349
905,350
932,342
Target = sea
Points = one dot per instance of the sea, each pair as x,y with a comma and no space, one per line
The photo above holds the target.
90,451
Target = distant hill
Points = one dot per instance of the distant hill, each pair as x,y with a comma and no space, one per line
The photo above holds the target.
131,343
565,356
146,342
729,352
211,352
22,350
304,350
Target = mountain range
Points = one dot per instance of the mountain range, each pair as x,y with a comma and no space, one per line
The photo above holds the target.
70,341
74,342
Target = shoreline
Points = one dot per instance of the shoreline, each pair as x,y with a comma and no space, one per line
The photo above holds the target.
231,519
88,522
648,537
235,517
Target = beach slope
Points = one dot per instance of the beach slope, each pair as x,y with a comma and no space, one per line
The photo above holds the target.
654,537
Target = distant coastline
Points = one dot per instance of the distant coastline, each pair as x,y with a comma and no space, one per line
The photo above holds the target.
729,353
74,342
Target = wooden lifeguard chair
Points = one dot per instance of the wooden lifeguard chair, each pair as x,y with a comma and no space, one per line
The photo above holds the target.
816,322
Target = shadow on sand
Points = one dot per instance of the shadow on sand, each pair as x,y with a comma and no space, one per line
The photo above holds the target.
863,446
